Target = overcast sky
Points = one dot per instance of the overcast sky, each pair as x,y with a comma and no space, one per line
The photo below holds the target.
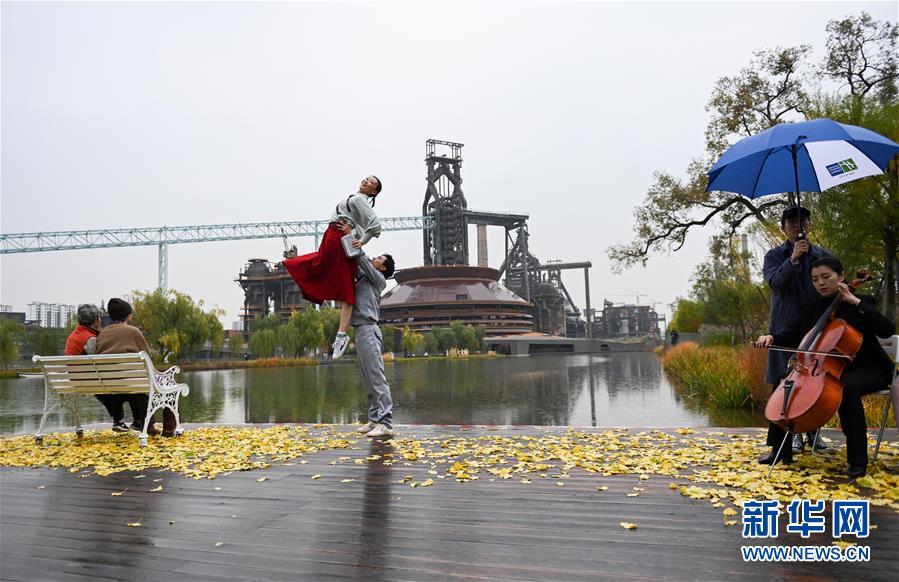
152,114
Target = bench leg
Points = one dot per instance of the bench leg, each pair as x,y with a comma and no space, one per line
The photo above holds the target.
51,401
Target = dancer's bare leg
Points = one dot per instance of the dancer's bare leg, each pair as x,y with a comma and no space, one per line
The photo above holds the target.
346,310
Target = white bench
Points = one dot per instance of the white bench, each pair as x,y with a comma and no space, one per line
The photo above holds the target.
66,378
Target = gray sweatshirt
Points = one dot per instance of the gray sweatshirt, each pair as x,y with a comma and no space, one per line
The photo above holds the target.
370,283
359,213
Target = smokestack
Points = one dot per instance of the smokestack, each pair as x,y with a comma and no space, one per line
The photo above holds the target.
482,245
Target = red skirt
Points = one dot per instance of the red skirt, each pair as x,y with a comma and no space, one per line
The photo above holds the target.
325,275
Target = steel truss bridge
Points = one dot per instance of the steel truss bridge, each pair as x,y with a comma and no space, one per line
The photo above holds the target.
39,242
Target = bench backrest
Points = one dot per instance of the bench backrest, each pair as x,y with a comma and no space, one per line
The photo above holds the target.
100,374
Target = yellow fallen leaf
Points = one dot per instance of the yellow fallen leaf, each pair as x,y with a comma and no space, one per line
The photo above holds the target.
347,480
427,483
628,525
317,476
672,485
730,522
217,544
644,477
602,488
261,479
171,522
560,484
135,524
633,495
525,481
156,489
41,487
729,511
117,493
217,488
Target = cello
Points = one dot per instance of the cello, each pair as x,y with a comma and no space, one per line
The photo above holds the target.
810,394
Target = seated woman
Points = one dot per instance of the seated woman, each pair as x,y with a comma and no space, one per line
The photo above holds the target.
871,369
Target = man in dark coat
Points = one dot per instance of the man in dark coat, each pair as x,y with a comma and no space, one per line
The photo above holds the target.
787,271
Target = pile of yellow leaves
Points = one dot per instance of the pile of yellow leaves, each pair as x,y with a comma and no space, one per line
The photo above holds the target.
202,452
726,461
714,466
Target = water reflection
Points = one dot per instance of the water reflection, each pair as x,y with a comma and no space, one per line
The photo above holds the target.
572,390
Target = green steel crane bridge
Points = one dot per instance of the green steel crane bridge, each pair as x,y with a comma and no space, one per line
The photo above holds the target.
40,242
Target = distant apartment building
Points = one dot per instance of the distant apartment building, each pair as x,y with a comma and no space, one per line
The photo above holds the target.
5,308
51,314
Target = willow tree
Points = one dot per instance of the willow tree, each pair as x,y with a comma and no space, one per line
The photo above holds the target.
175,324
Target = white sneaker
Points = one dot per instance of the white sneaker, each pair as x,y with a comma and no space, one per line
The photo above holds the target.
380,430
366,427
339,346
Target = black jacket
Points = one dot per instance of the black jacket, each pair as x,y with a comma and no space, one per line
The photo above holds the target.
864,317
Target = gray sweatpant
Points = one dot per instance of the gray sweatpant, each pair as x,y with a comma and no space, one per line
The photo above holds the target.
368,351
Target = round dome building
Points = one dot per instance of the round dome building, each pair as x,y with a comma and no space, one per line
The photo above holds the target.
435,296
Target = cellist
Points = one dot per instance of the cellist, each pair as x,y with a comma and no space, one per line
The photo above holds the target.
870,371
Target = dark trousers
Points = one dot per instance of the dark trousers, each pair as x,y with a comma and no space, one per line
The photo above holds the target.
857,382
139,403
115,405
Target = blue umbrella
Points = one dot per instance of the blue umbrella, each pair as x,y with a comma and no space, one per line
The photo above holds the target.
810,156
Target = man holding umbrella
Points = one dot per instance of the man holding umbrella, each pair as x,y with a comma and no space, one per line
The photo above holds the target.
787,272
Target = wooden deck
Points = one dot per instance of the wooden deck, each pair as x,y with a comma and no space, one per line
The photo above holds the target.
58,525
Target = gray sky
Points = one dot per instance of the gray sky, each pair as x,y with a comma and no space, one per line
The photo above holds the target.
151,114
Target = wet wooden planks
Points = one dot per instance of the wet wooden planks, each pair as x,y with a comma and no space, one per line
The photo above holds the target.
291,527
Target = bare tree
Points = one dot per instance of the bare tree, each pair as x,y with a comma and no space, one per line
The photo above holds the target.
862,52
765,93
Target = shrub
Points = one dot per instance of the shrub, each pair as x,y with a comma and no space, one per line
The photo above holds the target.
713,374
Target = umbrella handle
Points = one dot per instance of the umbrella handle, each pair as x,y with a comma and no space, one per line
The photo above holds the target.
793,150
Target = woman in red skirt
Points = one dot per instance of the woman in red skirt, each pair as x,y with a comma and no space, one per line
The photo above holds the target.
328,274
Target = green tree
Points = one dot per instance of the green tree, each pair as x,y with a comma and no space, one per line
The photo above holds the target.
458,329
10,331
235,345
307,325
271,321
45,341
174,323
288,338
687,316
263,343
330,318
470,339
216,331
431,345
389,338
445,338
480,335
729,296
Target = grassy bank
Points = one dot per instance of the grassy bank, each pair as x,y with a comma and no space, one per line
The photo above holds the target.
716,374
734,378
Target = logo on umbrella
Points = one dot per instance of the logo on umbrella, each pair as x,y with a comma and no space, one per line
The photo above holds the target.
842,167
